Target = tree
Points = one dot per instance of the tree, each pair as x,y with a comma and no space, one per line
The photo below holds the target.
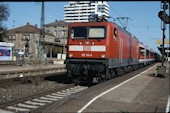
2,33
4,14
36,59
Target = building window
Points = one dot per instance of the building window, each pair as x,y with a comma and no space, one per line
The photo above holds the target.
48,30
25,37
12,37
55,32
92,1
100,8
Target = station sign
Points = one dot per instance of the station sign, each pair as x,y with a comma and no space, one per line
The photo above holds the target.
6,51
6,44
159,41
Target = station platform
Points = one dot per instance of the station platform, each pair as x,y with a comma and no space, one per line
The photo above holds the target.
10,71
8,68
141,93
15,63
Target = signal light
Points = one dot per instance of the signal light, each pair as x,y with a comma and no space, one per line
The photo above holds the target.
164,17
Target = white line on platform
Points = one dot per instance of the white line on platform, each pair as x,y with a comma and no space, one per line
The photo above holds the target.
168,105
95,98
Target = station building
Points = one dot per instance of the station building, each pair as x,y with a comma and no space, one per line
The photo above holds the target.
27,37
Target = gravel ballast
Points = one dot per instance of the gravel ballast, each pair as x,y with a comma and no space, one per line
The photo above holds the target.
22,90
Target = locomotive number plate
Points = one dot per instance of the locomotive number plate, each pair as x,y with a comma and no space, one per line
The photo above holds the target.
86,48
86,55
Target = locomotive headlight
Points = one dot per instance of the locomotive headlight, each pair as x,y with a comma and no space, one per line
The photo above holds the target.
102,56
70,55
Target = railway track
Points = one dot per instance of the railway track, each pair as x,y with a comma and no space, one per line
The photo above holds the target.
34,102
38,101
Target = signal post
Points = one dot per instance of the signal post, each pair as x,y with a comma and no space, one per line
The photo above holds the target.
161,70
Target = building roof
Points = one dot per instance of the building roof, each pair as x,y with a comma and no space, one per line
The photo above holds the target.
57,23
27,29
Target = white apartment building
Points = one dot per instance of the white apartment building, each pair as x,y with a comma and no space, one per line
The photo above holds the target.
79,11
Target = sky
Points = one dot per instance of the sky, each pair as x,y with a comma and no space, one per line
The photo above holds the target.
144,22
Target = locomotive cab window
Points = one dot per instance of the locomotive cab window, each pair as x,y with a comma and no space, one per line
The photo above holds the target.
115,34
88,32
78,33
97,32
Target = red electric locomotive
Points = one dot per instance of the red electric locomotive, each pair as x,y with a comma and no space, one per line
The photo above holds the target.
100,51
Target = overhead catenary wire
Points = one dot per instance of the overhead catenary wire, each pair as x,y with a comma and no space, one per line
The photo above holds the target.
18,21
149,26
15,22
136,28
54,7
54,10
115,11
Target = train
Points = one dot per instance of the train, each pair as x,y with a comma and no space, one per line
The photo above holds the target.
102,50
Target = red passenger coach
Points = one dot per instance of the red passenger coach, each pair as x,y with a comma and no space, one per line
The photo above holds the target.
100,51
146,55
